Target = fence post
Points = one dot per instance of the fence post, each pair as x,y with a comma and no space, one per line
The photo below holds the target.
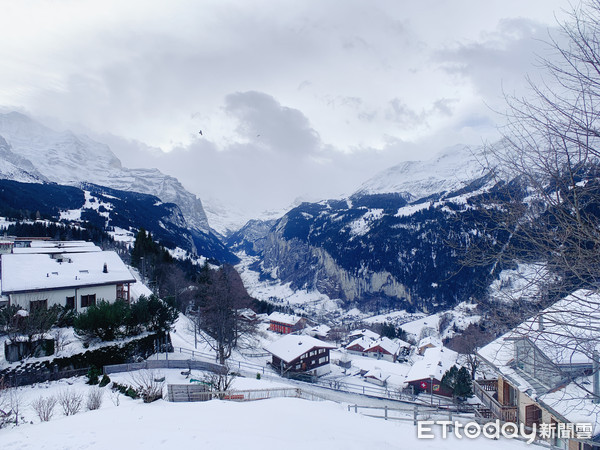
386,412
450,418
415,415
355,408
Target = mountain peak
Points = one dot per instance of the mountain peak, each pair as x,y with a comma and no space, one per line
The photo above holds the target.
449,170
68,158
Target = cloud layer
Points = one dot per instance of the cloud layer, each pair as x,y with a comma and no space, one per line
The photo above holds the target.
293,98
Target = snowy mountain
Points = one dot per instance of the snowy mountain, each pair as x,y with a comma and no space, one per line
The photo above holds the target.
67,158
15,167
451,170
397,242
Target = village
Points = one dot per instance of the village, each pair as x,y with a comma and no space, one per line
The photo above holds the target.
514,379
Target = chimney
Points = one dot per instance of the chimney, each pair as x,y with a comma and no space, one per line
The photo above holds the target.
596,375
105,268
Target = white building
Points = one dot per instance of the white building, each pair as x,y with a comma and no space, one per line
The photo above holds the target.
71,278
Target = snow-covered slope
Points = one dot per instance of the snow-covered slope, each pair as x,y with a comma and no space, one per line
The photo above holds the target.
67,158
15,167
451,170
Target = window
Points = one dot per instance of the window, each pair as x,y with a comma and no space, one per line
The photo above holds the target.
70,304
533,414
88,300
38,304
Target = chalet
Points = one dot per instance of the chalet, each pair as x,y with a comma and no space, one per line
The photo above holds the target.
428,342
376,376
547,372
426,374
388,349
74,279
363,332
359,346
299,354
319,331
285,323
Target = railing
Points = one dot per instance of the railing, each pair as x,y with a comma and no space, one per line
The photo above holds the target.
488,385
199,393
502,412
165,364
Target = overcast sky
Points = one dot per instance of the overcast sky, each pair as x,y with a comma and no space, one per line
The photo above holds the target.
299,98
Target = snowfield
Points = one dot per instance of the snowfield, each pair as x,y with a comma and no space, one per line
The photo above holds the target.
293,423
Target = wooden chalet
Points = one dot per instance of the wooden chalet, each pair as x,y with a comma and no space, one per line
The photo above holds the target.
300,354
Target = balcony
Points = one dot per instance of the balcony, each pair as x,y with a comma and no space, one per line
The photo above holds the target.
485,390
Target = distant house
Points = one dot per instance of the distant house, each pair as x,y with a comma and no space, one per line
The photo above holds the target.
359,346
547,372
300,354
74,279
426,374
319,331
376,376
285,323
388,349
363,332
428,342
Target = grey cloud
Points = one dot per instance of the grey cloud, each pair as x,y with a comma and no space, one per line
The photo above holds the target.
280,128
504,54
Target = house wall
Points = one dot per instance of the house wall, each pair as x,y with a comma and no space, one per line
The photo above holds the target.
381,355
59,296
56,297
317,364
108,293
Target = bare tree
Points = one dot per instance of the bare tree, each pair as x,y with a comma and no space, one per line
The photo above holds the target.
218,312
546,202
551,153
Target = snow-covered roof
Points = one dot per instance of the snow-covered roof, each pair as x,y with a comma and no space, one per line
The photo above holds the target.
55,250
435,362
392,347
320,330
568,334
377,374
432,341
363,342
292,346
23,272
364,332
287,319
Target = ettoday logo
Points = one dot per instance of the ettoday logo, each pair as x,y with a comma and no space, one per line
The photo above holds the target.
494,430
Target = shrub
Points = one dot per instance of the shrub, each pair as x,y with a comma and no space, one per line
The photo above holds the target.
103,320
131,392
44,407
105,380
149,385
93,375
70,402
94,398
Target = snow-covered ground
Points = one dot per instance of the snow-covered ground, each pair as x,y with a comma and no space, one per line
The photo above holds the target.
290,422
